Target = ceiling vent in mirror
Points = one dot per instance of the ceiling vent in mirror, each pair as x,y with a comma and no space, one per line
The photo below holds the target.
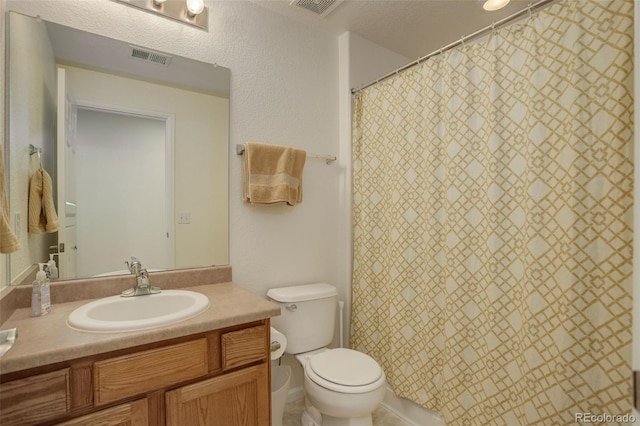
319,7
150,56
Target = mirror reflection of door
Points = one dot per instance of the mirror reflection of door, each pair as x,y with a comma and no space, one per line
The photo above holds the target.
115,194
123,191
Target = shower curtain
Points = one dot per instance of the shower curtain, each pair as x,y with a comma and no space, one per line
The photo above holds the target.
492,213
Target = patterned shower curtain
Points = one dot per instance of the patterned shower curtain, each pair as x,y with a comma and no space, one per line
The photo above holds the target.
492,222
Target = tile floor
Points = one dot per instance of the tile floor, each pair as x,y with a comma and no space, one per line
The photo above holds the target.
381,417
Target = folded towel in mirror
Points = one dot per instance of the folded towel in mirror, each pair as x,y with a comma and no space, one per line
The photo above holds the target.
42,209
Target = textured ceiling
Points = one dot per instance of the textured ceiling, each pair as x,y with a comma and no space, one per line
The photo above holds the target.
411,28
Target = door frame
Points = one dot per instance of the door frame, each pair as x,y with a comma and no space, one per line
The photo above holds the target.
169,146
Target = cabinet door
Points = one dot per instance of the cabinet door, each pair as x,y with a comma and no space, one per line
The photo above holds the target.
35,399
141,372
241,398
132,414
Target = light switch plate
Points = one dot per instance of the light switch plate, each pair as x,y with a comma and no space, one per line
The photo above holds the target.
184,217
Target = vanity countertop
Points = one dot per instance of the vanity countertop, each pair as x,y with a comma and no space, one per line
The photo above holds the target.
48,339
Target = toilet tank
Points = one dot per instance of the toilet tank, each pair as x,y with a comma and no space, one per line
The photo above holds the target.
308,315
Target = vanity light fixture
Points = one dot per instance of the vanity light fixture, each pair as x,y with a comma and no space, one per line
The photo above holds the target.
190,12
491,5
194,7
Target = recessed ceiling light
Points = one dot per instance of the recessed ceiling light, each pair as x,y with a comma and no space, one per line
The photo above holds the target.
494,4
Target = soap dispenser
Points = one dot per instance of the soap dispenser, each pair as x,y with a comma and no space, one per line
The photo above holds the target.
36,298
45,295
52,268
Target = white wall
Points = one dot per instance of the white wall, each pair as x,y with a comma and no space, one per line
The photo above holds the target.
369,61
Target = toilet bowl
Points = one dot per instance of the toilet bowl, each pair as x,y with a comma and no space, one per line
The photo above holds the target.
342,386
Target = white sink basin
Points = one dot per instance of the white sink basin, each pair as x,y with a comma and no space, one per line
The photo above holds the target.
116,313
124,272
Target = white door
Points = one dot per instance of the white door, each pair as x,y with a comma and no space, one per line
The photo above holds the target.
125,189
67,206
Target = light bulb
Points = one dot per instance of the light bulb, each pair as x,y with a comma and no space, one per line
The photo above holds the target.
491,5
195,7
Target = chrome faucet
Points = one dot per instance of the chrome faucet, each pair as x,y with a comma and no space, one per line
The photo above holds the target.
143,286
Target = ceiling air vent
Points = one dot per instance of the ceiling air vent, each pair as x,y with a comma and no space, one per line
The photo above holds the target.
319,7
150,56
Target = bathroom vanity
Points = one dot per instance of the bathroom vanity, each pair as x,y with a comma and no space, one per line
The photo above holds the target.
212,369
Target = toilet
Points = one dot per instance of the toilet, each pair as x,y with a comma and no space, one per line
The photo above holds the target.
342,386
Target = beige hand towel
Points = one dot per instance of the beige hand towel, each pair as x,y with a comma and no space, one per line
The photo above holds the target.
8,241
42,210
272,174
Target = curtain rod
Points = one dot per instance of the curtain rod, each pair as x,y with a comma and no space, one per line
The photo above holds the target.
529,9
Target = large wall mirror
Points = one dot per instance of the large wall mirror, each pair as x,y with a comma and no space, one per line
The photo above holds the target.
135,141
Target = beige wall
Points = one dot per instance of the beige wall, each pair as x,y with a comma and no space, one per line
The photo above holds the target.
32,121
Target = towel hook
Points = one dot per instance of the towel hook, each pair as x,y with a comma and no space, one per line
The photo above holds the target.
34,150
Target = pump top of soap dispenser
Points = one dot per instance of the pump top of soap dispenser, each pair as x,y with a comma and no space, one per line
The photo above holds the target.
41,275
53,269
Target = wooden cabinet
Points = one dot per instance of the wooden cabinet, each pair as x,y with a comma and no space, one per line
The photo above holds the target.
232,399
219,377
35,399
128,375
132,414
243,347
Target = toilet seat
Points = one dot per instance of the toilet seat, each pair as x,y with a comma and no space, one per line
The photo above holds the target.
345,370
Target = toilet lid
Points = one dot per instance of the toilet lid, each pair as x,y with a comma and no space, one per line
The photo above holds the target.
346,367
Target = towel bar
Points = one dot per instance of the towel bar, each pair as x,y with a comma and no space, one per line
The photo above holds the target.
328,158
